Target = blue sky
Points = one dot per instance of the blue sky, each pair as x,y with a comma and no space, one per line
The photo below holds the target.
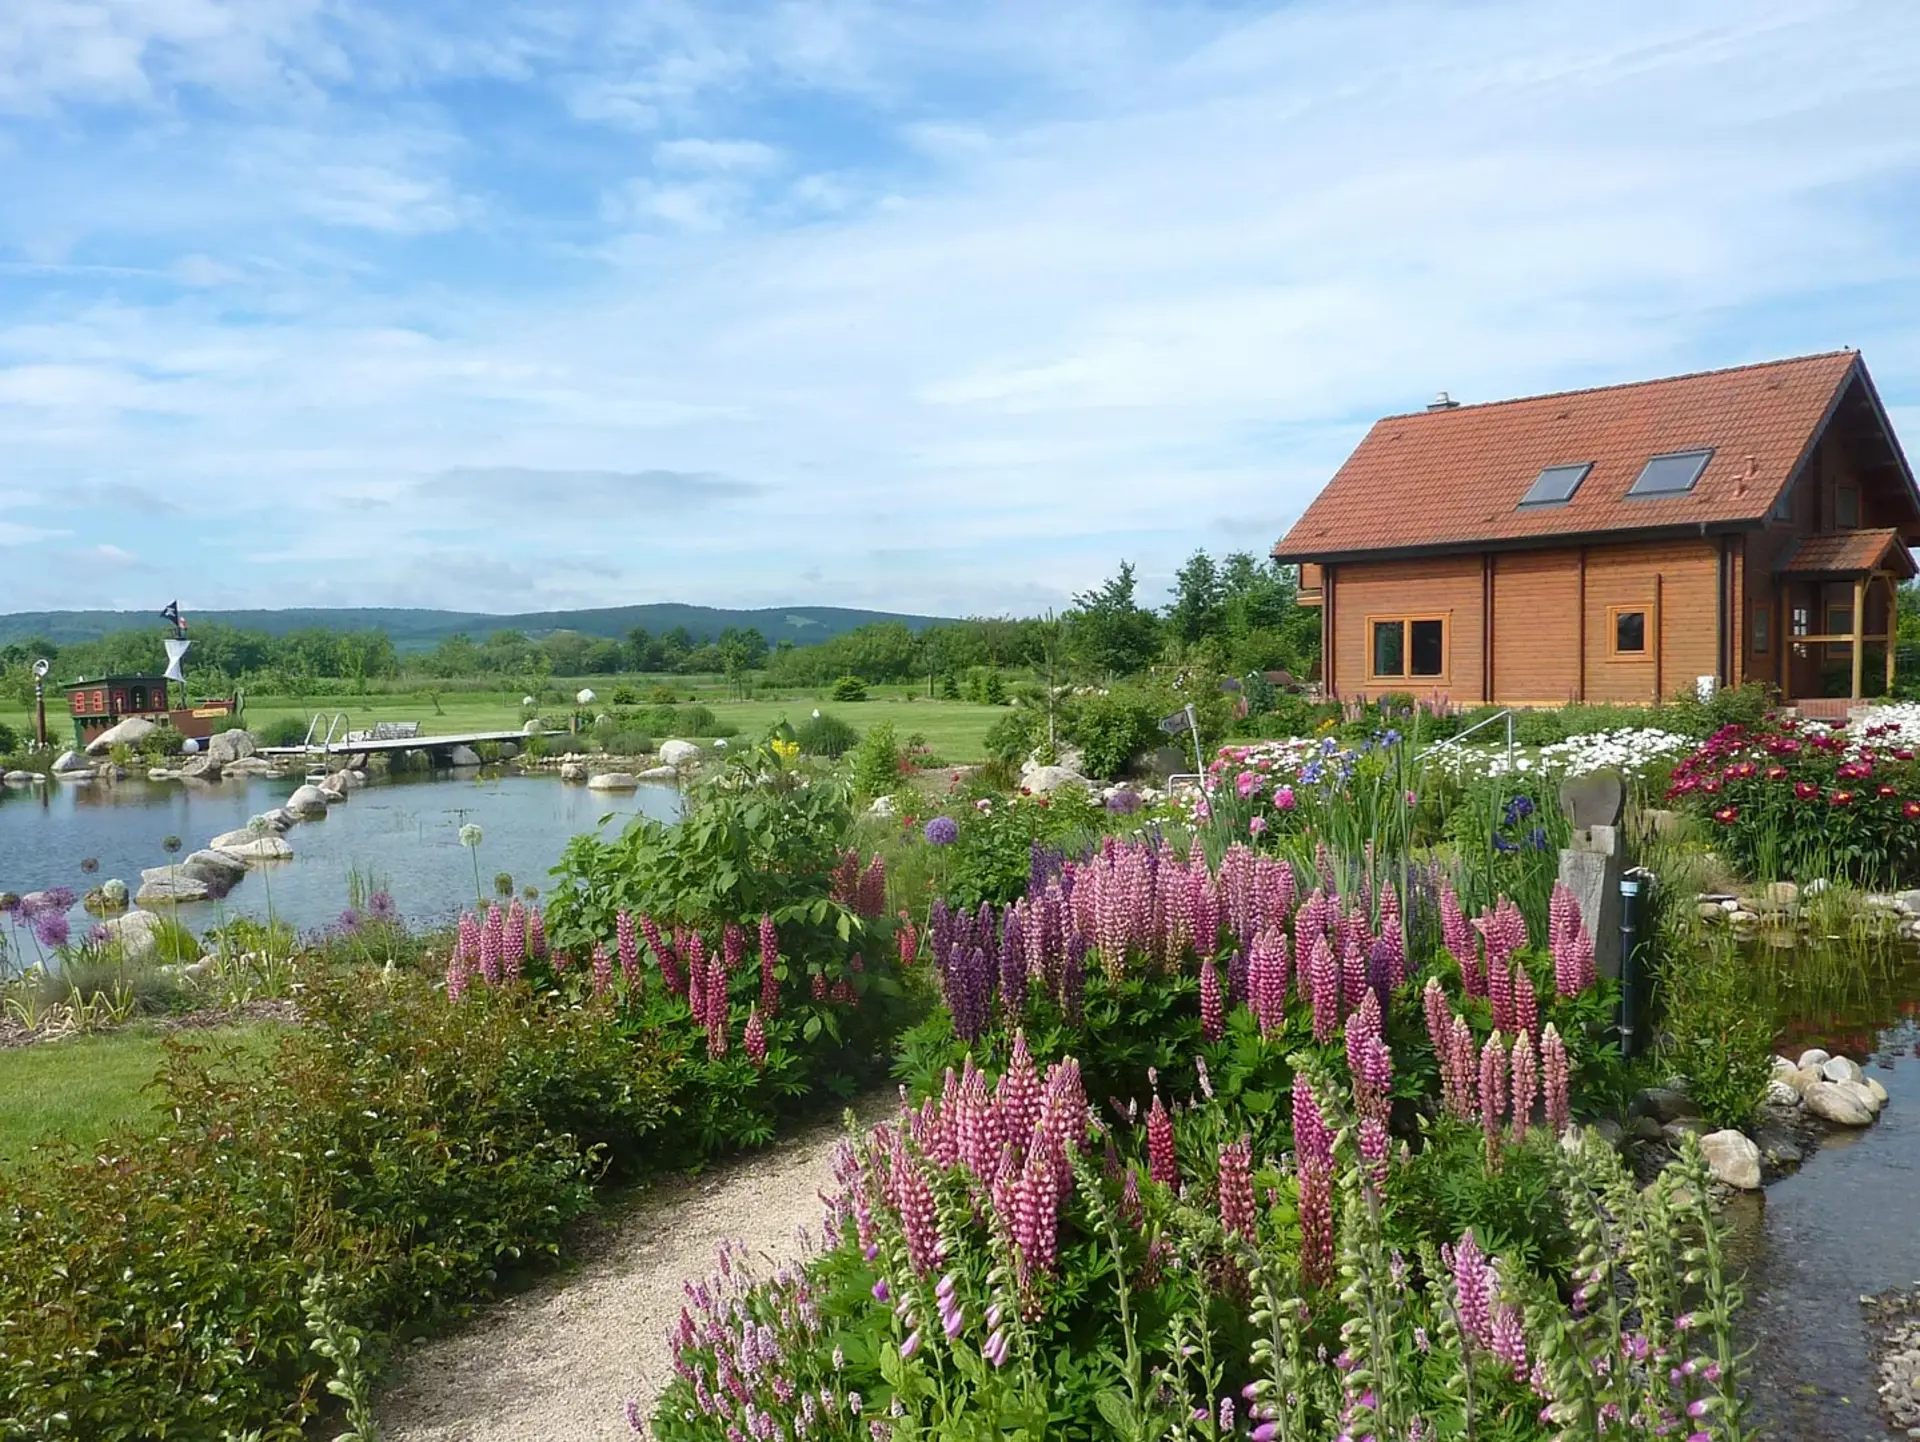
929,306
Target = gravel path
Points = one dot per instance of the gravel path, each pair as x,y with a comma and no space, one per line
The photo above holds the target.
558,1363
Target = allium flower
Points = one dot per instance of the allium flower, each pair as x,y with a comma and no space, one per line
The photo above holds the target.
942,831
50,929
1163,1163
471,835
349,922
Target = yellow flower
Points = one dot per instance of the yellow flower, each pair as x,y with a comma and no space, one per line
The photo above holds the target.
786,750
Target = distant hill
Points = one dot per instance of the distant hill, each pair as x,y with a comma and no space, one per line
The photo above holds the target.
420,630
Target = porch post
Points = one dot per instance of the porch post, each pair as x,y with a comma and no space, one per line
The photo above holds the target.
1859,629
1893,625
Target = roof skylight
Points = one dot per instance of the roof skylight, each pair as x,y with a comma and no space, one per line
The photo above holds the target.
1670,475
1556,484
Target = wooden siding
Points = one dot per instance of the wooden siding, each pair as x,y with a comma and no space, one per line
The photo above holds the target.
1536,627
1448,586
1676,583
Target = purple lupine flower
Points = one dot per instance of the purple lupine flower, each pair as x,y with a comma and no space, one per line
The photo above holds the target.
1312,1137
1472,1288
1213,1012
1013,962
627,943
1376,1148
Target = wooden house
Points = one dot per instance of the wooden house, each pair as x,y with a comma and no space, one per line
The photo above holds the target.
1621,544
103,703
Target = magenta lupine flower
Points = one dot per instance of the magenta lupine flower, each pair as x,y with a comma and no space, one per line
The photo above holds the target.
1236,1188
1163,1163
1213,1011
1353,965
1493,1094
1316,1223
1324,978
1500,989
906,943
663,954
870,896
977,1124
1526,1008
769,957
1312,1137
755,1041
1553,1052
1267,981
1036,1219
1206,908
456,977
1369,1060
1439,1015
490,945
1508,1340
1019,1092
1465,1059
1472,1288
719,1007
1458,938
536,935
919,1214
627,941
1526,1084
602,970
513,959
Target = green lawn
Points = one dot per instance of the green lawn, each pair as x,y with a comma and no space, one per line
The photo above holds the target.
955,729
79,1090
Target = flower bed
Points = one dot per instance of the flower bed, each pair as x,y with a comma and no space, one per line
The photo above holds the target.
1222,1151
1791,799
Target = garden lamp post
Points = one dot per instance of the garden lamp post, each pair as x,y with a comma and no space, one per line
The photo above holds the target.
40,669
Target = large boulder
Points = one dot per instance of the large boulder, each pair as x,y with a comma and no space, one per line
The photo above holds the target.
1734,1159
679,753
657,773
1840,1069
534,727
612,781
463,756
1665,1104
70,763
308,802
130,732
1045,780
200,768
250,766
259,848
218,871
138,933
229,840
164,890
20,778
573,771
231,746
1839,1103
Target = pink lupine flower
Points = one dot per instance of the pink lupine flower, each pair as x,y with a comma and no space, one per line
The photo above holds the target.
1376,1147
496,936
769,958
1493,1094
1526,1073
1472,1289
1213,1012
1316,1223
1508,1340
1063,1112
537,935
1526,1008
978,1125
754,1043
906,941
456,977
1554,1068
1324,976
1019,1092
1267,981
663,954
1036,1219
1458,938
602,970
1500,989
627,941
1205,906
1236,1188
733,947
1353,965
1312,1137
1391,946
1572,947
515,955
491,941
1369,1060
1465,1061
1163,1163
919,1214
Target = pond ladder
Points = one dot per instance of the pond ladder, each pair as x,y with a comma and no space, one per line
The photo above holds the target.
1453,742
325,744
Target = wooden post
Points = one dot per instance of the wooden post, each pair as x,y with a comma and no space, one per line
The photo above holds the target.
1580,613
1782,645
1658,668
1859,630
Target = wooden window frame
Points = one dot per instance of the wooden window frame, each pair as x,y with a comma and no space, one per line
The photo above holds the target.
1643,609
1407,618
1853,492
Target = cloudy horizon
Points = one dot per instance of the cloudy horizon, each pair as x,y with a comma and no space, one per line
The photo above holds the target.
909,306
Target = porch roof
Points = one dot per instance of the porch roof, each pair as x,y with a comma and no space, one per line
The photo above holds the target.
1851,553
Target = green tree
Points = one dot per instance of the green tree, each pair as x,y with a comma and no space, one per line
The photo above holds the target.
1108,629
1197,609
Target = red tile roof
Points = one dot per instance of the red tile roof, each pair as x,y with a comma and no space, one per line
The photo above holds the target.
1454,478
1846,552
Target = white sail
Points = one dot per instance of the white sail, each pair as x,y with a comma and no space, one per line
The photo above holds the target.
176,649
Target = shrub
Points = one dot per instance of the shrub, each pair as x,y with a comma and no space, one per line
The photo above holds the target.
1716,1032
412,1149
1112,729
9,739
1012,737
849,688
625,696
826,735
282,731
627,743
876,761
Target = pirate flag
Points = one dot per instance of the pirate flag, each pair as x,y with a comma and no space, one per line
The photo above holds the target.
172,613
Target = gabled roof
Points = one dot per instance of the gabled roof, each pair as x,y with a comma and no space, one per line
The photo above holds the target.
1847,553
1454,478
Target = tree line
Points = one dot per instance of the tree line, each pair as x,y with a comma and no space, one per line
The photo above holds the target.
1231,615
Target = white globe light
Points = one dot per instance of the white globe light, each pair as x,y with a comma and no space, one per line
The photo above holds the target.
526,700
816,713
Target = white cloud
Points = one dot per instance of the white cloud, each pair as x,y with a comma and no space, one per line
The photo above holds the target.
724,155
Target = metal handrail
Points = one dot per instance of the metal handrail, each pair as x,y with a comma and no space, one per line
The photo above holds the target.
1502,715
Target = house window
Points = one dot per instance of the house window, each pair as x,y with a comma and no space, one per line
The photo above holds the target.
1408,646
1762,630
1802,621
1839,620
1846,509
1556,484
1670,475
1628,631
139,698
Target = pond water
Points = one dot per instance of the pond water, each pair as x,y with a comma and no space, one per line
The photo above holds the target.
1847,1224
404,833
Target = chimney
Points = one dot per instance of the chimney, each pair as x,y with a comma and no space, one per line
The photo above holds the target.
1443,402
